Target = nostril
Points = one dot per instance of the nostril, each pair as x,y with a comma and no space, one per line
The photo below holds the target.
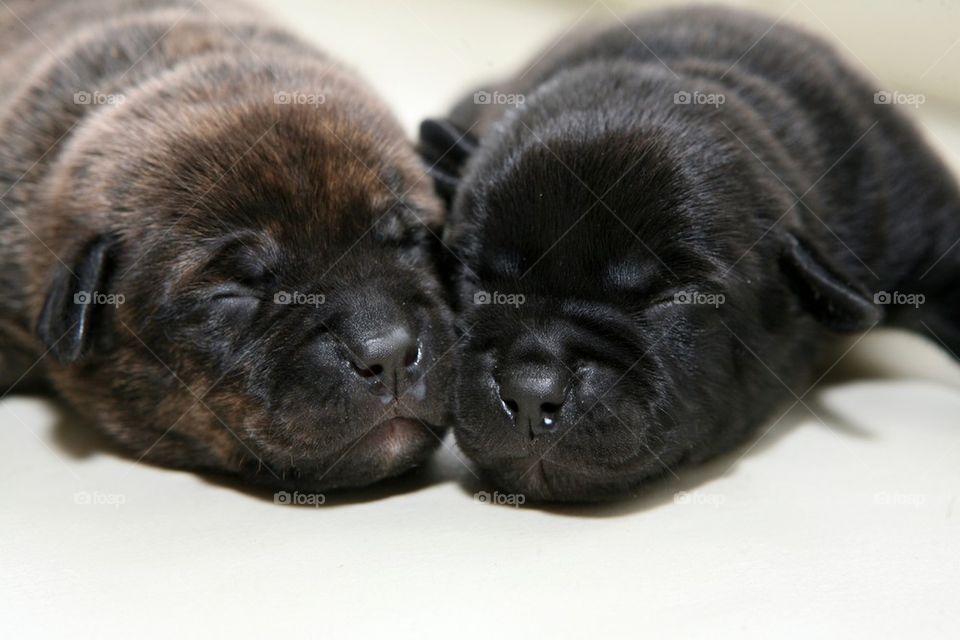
548,417
368,372
534,397
549,408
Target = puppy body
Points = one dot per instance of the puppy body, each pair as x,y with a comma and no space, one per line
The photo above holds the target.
692,207
255,226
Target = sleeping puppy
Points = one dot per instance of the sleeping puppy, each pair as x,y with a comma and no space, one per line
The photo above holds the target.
657,230
217,244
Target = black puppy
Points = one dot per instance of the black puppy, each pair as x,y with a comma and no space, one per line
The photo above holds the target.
656,231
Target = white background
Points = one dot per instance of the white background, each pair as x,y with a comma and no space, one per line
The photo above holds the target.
840,520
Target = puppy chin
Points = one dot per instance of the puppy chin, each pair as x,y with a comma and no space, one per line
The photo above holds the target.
541,475
543,481
389,449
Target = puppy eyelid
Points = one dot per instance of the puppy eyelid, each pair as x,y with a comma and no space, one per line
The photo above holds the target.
239,258
230,290
629,276
400,226
664,299
507,265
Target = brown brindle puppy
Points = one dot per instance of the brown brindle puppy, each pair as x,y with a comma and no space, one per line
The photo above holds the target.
216,244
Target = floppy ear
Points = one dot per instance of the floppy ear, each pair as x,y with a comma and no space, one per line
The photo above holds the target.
445,147
835,300
70,312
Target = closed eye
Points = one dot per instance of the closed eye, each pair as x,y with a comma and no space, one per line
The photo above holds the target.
503,265
703,294
663,300
231,301
238,266
634,276
404,229
233,290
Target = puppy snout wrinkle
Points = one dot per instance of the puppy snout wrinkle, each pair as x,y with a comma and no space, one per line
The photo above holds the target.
534,396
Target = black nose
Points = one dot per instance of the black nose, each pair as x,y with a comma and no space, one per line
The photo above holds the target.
384,357
534,396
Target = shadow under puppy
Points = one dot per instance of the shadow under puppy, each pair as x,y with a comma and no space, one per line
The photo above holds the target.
658,228
222,240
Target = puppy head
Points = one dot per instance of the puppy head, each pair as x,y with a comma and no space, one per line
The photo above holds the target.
251,288
616,292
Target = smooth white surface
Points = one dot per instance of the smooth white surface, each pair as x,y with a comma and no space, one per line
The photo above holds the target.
840,520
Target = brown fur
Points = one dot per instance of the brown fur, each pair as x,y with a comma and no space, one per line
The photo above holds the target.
198,150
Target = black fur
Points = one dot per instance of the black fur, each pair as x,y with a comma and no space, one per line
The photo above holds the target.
609,201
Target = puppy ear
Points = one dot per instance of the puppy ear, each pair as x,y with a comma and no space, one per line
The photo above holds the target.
70,311
445,147
835,300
